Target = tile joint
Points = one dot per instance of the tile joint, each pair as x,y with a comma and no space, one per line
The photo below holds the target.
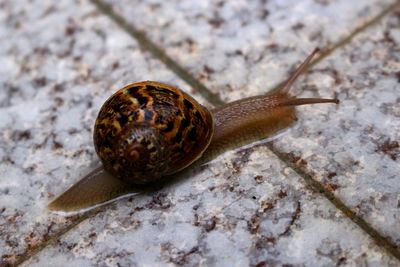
215,100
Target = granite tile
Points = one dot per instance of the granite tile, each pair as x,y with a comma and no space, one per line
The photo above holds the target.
245,208
241,48
238,49
240,209
60,61
354,149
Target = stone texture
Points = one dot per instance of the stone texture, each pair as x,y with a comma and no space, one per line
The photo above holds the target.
60,61
243,209
354,149
241,48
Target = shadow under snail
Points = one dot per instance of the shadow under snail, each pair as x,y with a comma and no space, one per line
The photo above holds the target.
148,131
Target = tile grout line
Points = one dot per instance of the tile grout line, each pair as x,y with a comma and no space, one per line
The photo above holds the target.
215,100
325,52
146,44
318,187
54,238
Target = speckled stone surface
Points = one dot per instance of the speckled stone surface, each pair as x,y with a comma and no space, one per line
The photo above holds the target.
250,47
241,48
354,149
243,209
60,61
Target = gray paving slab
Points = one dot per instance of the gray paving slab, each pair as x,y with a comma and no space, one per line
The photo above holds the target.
244,209
354,149
60,61
241,48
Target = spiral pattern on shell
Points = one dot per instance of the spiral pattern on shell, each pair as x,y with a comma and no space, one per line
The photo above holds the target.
148,130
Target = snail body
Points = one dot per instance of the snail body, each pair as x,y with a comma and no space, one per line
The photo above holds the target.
148,131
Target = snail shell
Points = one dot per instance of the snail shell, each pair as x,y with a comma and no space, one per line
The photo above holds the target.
148,130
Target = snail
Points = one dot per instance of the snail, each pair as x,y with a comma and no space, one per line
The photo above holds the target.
148,131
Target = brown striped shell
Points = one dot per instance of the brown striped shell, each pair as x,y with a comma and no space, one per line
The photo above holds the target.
148,130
